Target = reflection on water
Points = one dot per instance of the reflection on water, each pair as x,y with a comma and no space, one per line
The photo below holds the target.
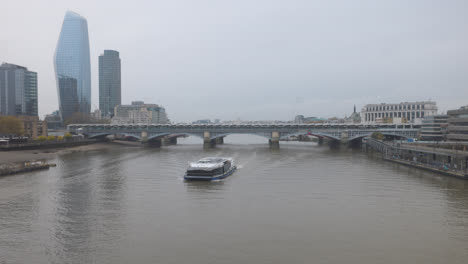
299,204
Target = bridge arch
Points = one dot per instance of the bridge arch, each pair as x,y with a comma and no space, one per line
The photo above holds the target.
157,136
316,134
96,136
223,135
383,133
130,135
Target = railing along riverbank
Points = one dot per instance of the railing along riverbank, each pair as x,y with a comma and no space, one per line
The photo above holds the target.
451,163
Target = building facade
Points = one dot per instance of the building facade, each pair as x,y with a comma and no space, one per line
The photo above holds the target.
18,90
72,61
354,118
53,120
110,89
458,124
300,119
434,128
406,112
139,113
33,127
69,102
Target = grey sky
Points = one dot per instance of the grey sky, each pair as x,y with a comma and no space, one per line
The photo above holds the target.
256,59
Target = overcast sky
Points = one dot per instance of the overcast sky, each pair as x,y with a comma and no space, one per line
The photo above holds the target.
255,59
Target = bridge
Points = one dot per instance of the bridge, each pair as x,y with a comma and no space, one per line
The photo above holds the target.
213,134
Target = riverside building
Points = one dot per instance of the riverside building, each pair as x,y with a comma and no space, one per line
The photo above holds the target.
406,112
139,113
18,90
458,124
434,128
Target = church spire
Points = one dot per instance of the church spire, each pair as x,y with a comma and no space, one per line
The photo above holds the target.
354,108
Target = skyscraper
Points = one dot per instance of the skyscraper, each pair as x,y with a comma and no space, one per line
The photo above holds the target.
18,90
72,61
109,82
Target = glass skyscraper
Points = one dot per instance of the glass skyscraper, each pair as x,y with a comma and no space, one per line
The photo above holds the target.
18,90
72,61
109,82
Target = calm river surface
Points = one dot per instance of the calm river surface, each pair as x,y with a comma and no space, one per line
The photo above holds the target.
300,204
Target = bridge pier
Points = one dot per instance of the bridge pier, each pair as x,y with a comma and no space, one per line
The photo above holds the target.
320,141
334,144
169,141
207,141
274,141
144,136
154,143
219,140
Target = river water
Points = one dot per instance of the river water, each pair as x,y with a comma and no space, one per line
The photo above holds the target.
299,204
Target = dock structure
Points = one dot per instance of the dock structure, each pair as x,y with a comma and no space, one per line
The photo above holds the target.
14,168
451,162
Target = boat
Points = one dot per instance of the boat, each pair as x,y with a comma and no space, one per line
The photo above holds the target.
210,169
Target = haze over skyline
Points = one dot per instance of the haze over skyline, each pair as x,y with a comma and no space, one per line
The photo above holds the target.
255,59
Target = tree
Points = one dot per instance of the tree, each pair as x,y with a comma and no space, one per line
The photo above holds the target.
377,135
41,138
81,118
67,136
10,125
51,138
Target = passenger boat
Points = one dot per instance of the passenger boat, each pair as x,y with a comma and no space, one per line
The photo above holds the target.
210,169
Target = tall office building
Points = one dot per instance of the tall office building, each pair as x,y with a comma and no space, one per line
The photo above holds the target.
69,97
71,61
18,90
109,82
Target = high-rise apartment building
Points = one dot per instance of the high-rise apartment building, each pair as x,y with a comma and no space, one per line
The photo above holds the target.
18,90
72,61
109,82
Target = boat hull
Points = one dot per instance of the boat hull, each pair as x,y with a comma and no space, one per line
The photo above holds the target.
211,178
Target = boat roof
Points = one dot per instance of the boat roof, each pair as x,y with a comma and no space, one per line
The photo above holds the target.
209,163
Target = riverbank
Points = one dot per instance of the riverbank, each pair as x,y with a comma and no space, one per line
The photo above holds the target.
443,161
428,168
16,156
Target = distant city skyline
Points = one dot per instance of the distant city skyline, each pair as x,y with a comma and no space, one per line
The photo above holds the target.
265,60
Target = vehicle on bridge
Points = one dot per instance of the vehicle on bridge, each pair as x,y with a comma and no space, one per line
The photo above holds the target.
210,169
